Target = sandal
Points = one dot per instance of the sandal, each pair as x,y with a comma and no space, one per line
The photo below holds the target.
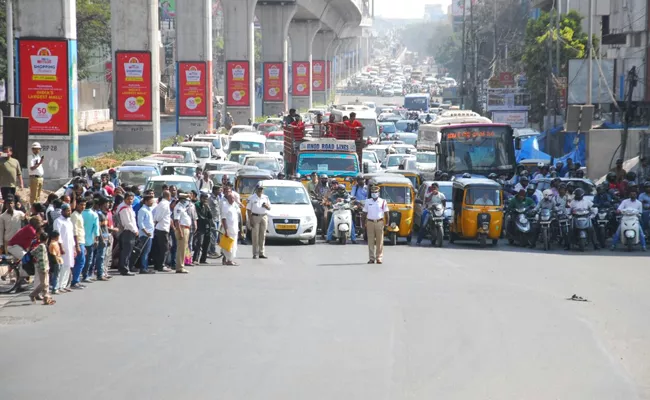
231,263
49,301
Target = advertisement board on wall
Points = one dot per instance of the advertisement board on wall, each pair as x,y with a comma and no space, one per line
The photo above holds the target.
318,75
516,119
192,89
273,82
300,78
238,84
133,86
44,85
507,99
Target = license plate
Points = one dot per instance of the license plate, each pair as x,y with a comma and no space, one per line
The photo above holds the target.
286,226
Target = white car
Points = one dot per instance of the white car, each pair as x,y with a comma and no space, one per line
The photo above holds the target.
291,216
184,183
219,142
275,148
241,128
387,91
268,162
203,151
426,160
370,157
393,161
186,153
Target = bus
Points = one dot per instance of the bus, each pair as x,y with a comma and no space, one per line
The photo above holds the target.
429,134
478,149
417,102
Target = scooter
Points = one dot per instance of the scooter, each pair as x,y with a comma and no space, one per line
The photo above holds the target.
342,215
581,223
435,224
521,231
629,228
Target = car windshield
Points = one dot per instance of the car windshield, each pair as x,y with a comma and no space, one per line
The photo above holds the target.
483,196
393,161
328,163
264,163
241,145
268,128
425,158
396,194
446,190
238,158
274,147
388,128
287,195
201,152
247,185
215,142
157,186
186,155
178,170
138,178
408,139
370,156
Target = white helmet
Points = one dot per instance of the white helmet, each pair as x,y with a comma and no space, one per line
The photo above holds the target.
540,165
548,194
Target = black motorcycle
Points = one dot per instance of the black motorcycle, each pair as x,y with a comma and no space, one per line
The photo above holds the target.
435,224
520,227
545,221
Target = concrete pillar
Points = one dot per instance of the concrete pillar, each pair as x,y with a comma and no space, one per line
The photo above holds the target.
321,45
194,112
136,62
347,71
274,19
239,42
46,33
356,51
332,67
302,35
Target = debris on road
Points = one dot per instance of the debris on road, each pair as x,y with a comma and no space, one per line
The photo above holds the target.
575,297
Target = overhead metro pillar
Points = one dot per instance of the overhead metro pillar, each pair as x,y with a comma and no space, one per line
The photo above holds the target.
274,19
136,77
239,50
319,65
46,34
332,67
356,59
347,54
302,35
194,108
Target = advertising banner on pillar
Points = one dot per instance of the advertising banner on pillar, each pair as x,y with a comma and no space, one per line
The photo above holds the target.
318,75
300,78
273,82
192,89
328,75
43,85
133,86
238,84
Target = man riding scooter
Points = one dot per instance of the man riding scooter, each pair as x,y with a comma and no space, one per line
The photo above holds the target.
580,203
634,204
433,196
340,195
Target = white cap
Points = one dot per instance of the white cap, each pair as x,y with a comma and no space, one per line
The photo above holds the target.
36,145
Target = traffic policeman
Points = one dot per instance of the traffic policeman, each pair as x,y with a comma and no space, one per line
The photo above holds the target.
375,211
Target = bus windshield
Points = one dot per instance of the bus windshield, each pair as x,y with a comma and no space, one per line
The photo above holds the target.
342,164
476,149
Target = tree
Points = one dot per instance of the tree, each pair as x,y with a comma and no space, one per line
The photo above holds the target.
449,55
93,33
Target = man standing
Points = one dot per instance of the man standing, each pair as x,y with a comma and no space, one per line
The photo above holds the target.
145,222
256,209
91,230
80,244
162,220
205,184
291,117
11,221
126,216
64,226
10,173
182,224
214,203
203,234
375,210
230,222
35,173
104,238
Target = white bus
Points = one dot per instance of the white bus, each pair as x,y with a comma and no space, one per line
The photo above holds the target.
429,134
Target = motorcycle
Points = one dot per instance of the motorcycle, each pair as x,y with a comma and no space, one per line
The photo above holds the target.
630,227
357,215
546,218
319,210
604,220
581,221
563,227
435,224
521,227
342,215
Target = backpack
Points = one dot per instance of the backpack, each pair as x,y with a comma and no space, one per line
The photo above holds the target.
28,263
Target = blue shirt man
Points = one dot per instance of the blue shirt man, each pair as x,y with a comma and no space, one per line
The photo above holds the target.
359,191
91,229
146,229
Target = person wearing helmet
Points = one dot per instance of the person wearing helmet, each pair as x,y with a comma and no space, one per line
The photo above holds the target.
602,199
281,176
630,180
619,171
634,204
580,203
492,177
570,188
542,172
444,177
89,178
359,190
531,193
339,194
520,200
523,184
547,201
515,178
257,210
579,174
432,197
97,187
436,175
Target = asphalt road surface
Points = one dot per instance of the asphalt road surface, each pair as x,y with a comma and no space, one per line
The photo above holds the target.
101,142
317,322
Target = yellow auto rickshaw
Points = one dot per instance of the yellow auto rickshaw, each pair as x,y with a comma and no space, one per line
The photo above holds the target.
412,175
399,194
478,210
245,182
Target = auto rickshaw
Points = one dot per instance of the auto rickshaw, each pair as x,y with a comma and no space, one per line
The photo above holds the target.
478,210
412,175
245,182
399,194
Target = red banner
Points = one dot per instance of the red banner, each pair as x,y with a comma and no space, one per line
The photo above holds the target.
318,75
273,81
300,78
192,89
238,84
328,75
44,88
133,86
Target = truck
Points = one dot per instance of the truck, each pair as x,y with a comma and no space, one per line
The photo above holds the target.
429,134
417,102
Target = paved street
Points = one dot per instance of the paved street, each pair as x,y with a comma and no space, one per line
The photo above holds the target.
100,142
317,322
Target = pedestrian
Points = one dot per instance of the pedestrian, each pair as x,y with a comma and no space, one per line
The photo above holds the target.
214,202
91,239
162,220
182,226
191,210
126,217
54,251
104,239
145,222
10,173
11,221
36,173
203,228
64,226
80,244
375,211
206,184
256,209
42,269
230,214
229,122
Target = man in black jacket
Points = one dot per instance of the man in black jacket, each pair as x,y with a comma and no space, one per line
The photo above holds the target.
203,234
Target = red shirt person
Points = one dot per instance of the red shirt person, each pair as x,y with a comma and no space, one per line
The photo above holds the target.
22,241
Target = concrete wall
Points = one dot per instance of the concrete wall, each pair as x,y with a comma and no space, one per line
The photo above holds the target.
94,95
602,148
91,117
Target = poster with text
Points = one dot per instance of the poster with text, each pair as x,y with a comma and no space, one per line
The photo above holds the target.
44,89
238,84
273,77
300,75
192,89
133,86
318,75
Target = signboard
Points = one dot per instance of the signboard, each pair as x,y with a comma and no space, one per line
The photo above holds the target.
329,145
300,78
507,78
602,81
43,85
167,9
516,119
273,82
133,86
192,89
507,99
318,75
238,84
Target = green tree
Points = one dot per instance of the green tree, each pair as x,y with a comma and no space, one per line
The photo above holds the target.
449,56
93,33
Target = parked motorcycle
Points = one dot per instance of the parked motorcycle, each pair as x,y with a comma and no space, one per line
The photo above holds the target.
435,224
342,215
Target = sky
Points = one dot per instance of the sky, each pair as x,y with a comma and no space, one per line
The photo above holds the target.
405,8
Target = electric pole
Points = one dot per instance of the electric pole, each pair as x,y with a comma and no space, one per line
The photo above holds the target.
632,81
462,75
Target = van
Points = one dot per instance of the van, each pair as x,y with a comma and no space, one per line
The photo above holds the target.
186,153
248,142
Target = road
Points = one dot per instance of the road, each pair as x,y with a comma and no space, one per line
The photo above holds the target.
317,322
100,142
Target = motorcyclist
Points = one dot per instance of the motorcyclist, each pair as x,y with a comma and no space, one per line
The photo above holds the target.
517,202
547,201
579,174
493,177
542,171
523,183
612,184
444,176
340,195
555,184
619,171
517,176
644,198
531,192
570,188
631,203
630,180
359,190
433,196
580,203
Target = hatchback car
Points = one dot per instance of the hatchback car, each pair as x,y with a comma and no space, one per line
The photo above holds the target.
292,215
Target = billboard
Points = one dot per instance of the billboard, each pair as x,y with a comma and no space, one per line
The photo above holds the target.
167,9
44,85
133,86
516,119
192,89
601,83
300,78
318,75
457,7
238,84
507,99
273,81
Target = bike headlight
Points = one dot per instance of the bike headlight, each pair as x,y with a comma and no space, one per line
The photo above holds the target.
393,225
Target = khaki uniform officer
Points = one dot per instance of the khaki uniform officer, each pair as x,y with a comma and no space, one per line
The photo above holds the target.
375,210
182,224
257,207
35,173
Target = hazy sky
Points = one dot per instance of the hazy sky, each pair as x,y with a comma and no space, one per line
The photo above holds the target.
405,8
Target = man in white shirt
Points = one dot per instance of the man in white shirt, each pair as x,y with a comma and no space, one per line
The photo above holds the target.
375,210
230,223
258,205
205,184
130,232
162,220
182,225
35,173
64,226
631,203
